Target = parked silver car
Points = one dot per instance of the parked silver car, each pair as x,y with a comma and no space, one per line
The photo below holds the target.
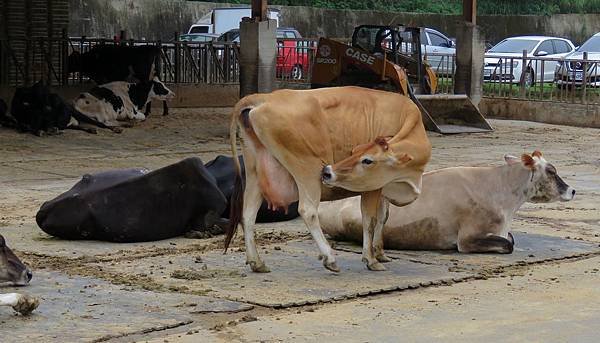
571,70
504,62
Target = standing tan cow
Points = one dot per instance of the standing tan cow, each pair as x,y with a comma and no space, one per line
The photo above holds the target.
353,140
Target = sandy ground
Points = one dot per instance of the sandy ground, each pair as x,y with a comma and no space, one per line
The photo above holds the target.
549,302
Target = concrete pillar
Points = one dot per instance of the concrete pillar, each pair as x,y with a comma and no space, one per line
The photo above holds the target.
469,61
258,54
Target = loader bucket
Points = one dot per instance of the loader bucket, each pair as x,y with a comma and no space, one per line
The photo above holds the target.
451,114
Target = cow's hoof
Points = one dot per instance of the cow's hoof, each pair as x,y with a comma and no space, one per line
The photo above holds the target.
511,238
332,266
116,129
383,259
26,304
259,267
375,265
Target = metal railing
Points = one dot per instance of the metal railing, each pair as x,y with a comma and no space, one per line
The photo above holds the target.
542,78
524,77
25,61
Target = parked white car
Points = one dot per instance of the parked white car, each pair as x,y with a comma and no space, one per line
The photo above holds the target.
504,62
440,51
570,72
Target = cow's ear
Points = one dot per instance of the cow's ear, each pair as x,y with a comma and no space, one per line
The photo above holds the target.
404,159
537,154
359,148
528,161
510,159
382,142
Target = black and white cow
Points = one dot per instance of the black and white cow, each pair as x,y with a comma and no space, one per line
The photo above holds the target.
118,101
109,63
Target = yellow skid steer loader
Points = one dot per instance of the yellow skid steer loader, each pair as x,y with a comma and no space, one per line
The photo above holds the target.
389,58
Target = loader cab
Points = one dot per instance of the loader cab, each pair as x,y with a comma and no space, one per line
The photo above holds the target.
400,45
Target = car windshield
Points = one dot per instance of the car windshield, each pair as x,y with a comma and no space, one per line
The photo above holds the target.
514,45
591,45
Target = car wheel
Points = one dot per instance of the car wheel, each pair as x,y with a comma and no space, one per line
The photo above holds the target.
529,78
297,72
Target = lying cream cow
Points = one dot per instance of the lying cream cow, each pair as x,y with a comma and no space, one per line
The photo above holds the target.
469,208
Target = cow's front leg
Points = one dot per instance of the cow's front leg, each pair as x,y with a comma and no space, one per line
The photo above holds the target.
383,211
165,108
148,109
489,243
308,207
252,201
369,205
21,303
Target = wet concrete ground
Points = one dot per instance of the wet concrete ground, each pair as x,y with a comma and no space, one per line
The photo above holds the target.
186,290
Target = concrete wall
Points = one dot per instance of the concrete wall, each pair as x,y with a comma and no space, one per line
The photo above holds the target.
542,111
158,19
186,95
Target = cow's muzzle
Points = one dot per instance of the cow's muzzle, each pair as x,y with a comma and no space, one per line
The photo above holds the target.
328,176
568,195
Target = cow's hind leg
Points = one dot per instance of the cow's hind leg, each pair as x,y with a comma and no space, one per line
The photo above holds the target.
484,244
383,211
369,205
308,208
252,201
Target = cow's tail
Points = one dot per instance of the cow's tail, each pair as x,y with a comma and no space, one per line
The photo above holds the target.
236,203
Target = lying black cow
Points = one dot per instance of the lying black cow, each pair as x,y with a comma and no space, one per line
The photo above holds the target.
135,205
223,170
108,63
37,110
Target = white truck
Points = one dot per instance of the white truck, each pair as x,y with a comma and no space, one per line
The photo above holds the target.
223,19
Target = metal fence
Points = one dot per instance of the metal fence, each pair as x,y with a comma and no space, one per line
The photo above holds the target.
543,78
524,77
26,61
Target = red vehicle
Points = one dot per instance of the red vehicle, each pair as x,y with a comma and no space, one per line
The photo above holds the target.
293,58
293,53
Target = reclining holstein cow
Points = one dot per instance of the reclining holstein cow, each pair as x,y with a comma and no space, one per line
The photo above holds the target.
354,140
12,270
112,103
464,208
109,63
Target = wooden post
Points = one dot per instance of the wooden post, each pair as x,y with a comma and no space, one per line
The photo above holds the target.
259,10
64,43
470,11
176,59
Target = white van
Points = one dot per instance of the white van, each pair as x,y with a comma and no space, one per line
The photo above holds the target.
223,19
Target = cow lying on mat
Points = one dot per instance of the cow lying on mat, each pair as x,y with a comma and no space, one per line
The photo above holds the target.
464,208
134,205
112,103
12,270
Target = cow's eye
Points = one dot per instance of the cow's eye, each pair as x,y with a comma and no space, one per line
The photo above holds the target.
366,161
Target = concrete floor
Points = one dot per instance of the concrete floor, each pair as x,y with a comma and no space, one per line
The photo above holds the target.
132,292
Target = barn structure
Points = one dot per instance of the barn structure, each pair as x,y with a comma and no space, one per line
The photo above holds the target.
30,39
